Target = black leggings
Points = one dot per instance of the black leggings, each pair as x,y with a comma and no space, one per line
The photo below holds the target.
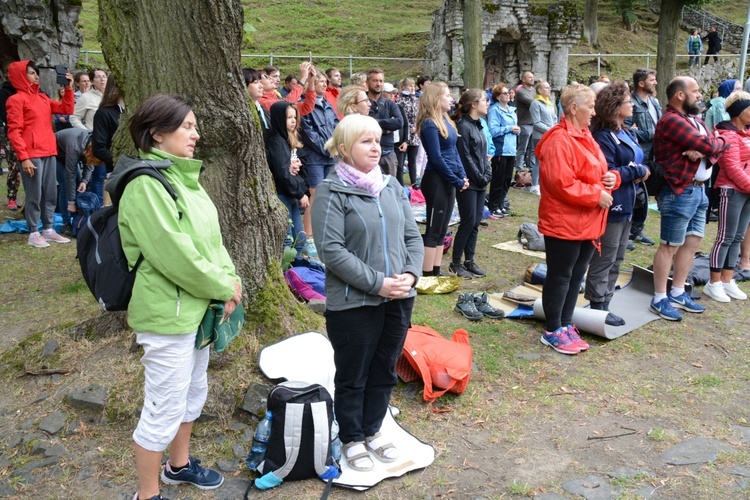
411,155
502,174
470,208
567,262
440,196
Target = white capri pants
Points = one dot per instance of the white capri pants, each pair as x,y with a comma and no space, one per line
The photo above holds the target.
175,390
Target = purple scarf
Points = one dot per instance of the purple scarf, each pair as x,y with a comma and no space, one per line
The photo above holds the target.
372,182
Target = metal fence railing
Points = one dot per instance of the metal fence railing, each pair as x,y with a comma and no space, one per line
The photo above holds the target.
647,57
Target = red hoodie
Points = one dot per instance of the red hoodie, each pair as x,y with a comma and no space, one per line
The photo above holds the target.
29,125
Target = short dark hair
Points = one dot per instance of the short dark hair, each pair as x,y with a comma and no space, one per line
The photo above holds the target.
678,83
92,73
250,75
330,71
33,66
160,113
640,75
422,79
289,78
78,75
374,71
270,69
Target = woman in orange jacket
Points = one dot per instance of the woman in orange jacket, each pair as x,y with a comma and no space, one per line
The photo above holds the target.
576,188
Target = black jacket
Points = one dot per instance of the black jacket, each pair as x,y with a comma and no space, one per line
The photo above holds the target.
6,90
279,155
106,121
472,148
388,115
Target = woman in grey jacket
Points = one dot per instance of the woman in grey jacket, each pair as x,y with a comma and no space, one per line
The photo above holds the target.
369,242
544,115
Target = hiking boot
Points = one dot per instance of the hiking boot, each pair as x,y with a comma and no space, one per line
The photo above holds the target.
716,291
54,237
644,240
664,309
474,269
459,271
575,338
483,306
734,291
559,341
686,303
465,306
202,478
12,205
37,241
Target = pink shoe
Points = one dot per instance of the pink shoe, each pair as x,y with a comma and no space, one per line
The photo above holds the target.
37,241
575,338
12,205
53,236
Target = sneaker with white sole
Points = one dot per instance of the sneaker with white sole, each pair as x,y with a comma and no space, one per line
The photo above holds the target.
686,303
559,341
37,241
202,478
734,291
664,309
716,292
54,237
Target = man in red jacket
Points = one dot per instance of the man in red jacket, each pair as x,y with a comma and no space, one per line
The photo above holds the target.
30,132
686,151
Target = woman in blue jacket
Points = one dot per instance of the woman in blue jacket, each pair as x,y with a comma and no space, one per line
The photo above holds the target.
503,124
620,147
444,173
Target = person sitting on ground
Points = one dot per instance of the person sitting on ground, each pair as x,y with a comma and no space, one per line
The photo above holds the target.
620,147
183,261
472,149
576,186
733,185
29,130
282,153
353,100
370,280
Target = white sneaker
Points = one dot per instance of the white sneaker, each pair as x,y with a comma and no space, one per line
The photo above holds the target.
734,291
37,241
535,190
716,291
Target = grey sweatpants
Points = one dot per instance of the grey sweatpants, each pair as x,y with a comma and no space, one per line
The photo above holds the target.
605,268
41,192
734,216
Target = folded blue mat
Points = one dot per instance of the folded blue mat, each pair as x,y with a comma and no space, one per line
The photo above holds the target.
20,226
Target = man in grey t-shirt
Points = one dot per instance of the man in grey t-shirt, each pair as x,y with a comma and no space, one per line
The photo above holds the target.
524,97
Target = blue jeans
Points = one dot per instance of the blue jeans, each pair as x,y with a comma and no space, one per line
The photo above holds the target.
295,227
682,214
96,185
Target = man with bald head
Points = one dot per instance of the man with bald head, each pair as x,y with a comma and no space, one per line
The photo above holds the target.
686,152
525,95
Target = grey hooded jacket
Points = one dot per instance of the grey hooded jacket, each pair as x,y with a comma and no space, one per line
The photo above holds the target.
363,239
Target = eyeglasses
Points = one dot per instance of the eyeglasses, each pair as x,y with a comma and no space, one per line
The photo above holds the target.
361,101
629,101
265,77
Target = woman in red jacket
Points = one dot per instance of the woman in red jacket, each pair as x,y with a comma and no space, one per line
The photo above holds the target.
576,188
733,185
30,132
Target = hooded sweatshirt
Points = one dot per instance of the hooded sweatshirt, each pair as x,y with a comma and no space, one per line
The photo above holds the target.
279,155
29,124
716,113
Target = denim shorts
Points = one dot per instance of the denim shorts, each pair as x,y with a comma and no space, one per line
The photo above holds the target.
316,173
682,214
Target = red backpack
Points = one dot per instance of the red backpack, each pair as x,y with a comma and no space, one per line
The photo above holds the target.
443,365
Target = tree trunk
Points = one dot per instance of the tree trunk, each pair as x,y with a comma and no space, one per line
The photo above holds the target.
194,50
473,58
669,25
591,23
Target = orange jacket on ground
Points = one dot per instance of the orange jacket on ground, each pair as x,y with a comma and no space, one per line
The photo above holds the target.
571,167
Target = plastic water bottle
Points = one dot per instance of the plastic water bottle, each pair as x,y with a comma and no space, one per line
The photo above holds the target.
335,441
260,442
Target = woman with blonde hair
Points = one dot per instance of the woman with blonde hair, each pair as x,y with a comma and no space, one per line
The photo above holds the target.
353,99
576,188
370,278
444,173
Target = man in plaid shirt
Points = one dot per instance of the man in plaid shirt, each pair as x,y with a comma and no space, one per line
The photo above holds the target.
686,151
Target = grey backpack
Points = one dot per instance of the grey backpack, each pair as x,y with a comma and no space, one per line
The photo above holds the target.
530,237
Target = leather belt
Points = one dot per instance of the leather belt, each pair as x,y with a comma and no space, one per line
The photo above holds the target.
698,183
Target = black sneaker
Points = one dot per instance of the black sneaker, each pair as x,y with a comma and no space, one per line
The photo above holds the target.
474,269
644,240
631,245
67,229
202,478
459,271
155,497
484,307
465,306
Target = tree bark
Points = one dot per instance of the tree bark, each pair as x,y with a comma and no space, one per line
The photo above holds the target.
473,58
591,23
193,49
669,25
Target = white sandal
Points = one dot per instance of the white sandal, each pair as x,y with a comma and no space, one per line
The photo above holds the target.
358,456
382,448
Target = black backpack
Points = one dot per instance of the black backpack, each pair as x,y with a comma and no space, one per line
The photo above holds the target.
103,262
301,425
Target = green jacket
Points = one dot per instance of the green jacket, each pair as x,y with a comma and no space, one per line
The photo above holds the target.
185,264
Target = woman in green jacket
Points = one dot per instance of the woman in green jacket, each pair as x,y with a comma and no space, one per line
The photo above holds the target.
184,267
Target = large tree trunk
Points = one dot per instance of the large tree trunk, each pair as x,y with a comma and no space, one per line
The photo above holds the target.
193,49
669,25
473,58
591,23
